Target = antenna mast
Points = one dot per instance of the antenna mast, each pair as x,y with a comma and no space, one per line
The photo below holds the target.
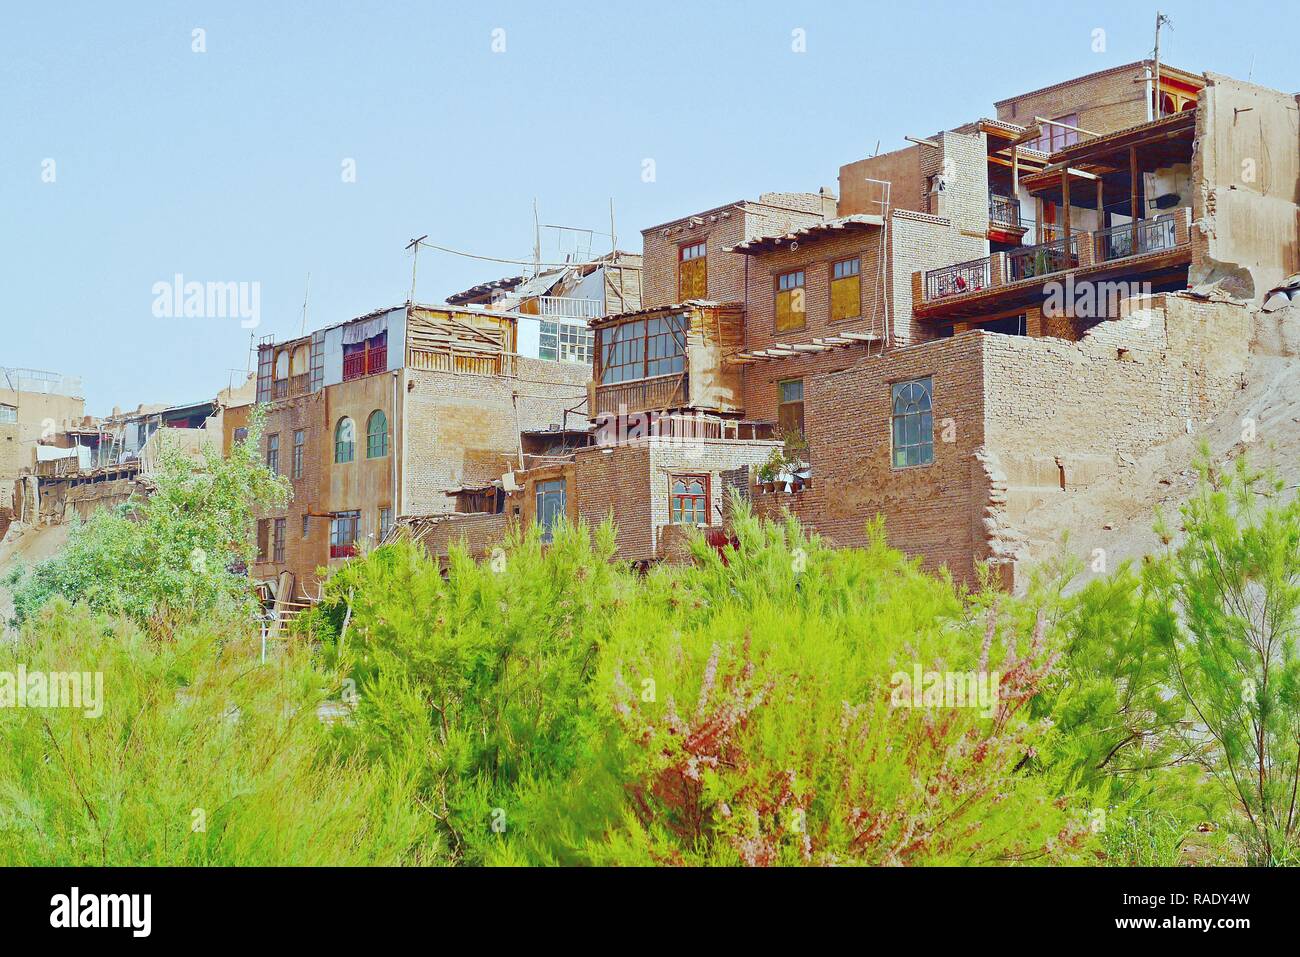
1161,20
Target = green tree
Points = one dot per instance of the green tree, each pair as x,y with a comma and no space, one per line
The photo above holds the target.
1231,592
173,556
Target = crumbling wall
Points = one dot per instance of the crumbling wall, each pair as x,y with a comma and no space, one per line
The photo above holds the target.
1062,416
60,500
478,532
1246,186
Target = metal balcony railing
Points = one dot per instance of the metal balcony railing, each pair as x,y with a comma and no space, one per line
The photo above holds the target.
564,307
1135,239
1042,260
960,278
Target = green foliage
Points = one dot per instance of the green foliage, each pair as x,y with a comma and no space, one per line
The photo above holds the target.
1230,593
552,705
166,560
479,678
754,708
201,756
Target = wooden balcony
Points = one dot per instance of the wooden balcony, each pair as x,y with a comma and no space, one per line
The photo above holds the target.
463,361
643,395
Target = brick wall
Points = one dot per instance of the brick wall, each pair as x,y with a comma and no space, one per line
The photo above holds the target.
617,483
633,482
303,555
847,423
478,532
711,457
918,242
462,428
1104,102
1015,419
901,169
962,162
720,228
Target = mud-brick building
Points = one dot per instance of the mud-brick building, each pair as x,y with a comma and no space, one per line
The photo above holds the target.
995,316
387,415
1119,320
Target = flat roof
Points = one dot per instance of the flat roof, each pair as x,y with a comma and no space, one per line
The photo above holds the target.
1185,75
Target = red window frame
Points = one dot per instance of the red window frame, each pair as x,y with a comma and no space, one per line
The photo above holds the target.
699,503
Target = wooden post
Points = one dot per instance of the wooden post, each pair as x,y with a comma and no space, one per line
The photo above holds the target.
1015,174
1133,193
1065,201
1101,206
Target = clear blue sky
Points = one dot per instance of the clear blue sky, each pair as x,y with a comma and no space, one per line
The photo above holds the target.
226,165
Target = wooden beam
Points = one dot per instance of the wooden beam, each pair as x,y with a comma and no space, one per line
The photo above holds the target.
861,336
921,142
1030,134
1101,208
1072,170
1064,126
1065,200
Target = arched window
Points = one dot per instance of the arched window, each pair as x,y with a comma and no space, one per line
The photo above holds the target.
298,364
345,440
377,435
913,431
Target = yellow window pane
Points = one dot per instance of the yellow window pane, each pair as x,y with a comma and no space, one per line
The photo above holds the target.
693,279
789,309
846,298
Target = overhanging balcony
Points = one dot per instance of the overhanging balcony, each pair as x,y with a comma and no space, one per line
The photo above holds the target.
643,395
1157,247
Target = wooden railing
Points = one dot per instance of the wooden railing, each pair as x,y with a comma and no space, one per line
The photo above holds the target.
564,307
354,366
464,361
641,395
58,468
1042,260
957,279
1004,210
294,385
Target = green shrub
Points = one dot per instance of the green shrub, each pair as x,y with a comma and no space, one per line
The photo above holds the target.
201,756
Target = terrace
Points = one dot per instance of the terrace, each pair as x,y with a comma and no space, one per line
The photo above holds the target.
1133,220
1156,249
